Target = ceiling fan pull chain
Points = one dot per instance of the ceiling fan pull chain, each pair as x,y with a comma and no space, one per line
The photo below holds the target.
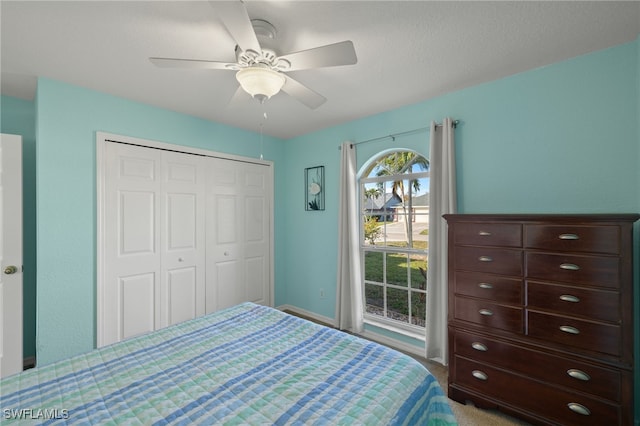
264,115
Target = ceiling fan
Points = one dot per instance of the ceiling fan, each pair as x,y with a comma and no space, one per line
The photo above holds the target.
259,70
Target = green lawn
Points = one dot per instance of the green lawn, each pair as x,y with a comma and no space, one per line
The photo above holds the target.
398,268
397,271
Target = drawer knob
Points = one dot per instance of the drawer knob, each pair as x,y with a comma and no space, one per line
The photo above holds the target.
569,329
578,374
485,259
569,298
579,408
486,286
479,347
485,312
484,233
569,267
480,375
568,237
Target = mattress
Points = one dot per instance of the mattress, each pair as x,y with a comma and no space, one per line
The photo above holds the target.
246,365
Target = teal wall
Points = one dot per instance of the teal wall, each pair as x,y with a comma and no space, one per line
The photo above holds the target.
68,118
18,117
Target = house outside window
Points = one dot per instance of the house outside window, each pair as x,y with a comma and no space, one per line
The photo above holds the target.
394,220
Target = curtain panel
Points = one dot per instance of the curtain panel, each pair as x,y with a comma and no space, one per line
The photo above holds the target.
349,303
442,200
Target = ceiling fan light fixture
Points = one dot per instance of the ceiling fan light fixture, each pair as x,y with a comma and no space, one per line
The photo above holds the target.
260,82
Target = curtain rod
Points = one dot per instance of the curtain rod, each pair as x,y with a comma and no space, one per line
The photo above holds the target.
395,135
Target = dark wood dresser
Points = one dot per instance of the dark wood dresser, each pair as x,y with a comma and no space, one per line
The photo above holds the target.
541,316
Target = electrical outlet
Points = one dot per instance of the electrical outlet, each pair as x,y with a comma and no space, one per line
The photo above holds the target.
322,293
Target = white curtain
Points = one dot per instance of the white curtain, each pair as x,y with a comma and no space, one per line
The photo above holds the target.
442,200
349,283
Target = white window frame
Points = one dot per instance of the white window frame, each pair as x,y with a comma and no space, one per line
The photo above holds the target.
408,329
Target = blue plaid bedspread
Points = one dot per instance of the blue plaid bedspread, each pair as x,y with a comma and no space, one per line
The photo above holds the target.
246,365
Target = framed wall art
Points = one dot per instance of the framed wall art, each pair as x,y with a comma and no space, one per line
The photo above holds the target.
314,188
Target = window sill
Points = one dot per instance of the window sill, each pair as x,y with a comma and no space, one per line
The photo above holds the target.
412,332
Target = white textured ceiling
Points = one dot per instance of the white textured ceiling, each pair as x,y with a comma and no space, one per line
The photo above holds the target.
407,51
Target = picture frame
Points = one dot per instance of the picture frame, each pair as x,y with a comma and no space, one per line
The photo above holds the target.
314,188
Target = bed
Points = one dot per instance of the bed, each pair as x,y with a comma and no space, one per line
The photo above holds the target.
249,365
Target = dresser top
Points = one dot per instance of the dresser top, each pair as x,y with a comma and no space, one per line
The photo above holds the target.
550,217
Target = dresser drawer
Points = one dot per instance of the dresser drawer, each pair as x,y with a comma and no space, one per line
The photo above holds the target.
598,271
595,304
592,336
489,314
592,239
578,375
488,234
486,286
555,404
485,259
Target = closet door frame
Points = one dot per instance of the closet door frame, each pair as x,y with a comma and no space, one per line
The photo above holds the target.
102,138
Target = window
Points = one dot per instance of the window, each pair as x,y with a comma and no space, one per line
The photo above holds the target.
394,229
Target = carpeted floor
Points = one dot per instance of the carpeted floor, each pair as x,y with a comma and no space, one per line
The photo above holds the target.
468,415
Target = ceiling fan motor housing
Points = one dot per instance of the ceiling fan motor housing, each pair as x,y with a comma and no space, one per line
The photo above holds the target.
268,57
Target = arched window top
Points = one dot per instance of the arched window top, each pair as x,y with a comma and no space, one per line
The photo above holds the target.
396,163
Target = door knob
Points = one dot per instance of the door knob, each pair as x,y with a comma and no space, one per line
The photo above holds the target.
10,270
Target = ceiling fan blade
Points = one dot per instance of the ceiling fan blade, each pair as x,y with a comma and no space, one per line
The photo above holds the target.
235,18
192,64
302,93
330,55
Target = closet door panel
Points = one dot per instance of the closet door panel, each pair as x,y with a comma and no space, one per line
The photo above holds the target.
225,214
136,222
238,234
182,294
132,255
181,222
257,247
254,225
229,289
222,235
255,273
138,308
183,244
225,287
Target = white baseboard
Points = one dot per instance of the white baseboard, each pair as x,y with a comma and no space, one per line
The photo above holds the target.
370,335
331,322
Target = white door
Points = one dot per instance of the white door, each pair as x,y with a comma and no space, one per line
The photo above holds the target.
10,254
182,237
154,240
238,234
131,290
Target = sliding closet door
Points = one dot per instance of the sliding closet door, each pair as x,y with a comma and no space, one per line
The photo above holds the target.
154,240
238,234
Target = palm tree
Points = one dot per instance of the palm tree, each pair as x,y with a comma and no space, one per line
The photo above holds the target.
397,164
